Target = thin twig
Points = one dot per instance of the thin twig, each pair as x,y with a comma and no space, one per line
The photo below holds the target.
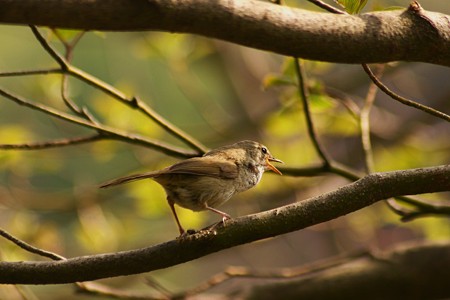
67,101
303,92
30,248
175,131
69,47
159,287
53,144
31,72
133,102
83,112
365,123
109,132
421,209
55,55
404,100
344,99
367,147
327,7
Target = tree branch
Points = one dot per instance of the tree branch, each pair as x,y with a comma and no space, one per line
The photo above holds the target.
407,272
105,131
53,143
304,95
404,100
133,102
408,35
352,197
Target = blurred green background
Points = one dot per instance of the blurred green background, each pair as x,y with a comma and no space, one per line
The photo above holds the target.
220,93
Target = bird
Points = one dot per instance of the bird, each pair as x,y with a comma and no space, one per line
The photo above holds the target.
206,182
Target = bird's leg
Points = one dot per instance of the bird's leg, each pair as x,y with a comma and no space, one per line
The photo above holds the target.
225,216
172,207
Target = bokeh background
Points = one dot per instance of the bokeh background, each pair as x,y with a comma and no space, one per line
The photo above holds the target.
220,93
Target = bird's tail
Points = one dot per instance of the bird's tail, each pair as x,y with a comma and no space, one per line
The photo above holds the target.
129,178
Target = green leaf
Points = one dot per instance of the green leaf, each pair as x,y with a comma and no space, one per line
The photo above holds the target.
67,34
272,80
353,6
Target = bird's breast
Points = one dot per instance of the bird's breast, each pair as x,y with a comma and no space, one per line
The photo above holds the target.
249,176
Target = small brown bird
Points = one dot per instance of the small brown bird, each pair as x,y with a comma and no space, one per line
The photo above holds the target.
203,183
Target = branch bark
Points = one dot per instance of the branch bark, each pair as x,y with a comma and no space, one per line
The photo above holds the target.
409,35
352,197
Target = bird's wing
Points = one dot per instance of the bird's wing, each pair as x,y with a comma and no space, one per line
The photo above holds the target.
205,166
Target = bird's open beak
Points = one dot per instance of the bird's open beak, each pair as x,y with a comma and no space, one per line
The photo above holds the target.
272,167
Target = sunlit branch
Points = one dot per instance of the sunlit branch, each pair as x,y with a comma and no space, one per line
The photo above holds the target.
31,72
64,81
133,102
365,124
55,55
111,133
52,144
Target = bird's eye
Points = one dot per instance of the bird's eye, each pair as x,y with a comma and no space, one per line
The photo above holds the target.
264,150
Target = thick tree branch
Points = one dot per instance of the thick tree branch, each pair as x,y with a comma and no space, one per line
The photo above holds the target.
349,198
409,35
408,272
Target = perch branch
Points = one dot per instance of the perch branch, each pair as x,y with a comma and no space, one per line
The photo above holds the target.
352,197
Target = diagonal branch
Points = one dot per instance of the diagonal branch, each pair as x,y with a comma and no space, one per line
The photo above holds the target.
327,7
133,102
352,197
106,131
30,248
404,100
53,53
